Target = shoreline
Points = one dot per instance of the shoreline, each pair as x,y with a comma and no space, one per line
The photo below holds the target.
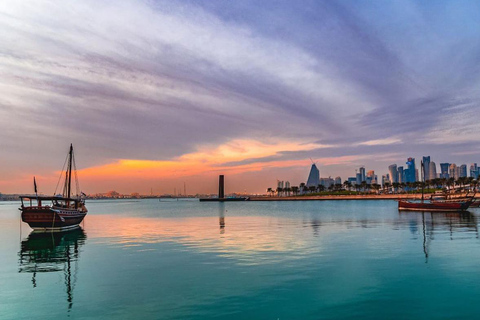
343,197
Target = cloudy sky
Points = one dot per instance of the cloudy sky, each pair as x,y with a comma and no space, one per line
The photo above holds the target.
157,93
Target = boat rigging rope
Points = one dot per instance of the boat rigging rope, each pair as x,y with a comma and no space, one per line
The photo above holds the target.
61,174
77,185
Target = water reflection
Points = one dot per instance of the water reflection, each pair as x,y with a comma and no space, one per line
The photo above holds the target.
456,224
53,252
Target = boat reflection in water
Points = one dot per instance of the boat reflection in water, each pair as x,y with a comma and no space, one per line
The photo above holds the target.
53,252
439,223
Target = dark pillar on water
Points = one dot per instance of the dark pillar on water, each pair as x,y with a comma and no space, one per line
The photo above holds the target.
221,187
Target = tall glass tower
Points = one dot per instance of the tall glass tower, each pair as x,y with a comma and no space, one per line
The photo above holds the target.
313,177
426,168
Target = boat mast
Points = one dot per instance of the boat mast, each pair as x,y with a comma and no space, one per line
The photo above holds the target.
69,174
423,179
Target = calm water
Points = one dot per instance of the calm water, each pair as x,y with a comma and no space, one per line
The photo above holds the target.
286,260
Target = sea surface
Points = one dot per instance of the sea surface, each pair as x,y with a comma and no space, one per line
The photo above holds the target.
152,259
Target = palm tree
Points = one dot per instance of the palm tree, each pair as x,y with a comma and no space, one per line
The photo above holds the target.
302,187
270,191
288,190
347,184
279,191
450,182
321,188
395,186
386,186
295,190
312,189
376,187
363,184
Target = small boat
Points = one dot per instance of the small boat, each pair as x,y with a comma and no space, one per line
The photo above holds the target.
445,204
55,213
432,205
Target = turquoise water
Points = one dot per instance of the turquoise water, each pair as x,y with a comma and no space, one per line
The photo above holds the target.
243,260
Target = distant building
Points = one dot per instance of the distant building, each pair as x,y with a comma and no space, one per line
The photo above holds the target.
338,180
280,184
410,172
359,178
327,182
444,170
371,177
313,177
452,171
393,173
362,174
474,170
462,171
352,180
426,167
287,184
400,177
385,179
432,171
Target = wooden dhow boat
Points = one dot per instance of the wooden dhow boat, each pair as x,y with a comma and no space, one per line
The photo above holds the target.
55,213
447,204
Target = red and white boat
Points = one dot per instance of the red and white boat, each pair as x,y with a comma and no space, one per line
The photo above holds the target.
55,213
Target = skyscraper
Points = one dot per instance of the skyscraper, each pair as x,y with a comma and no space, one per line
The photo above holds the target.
474,170
426,167
462,171
432,172
313,177
400,177
359,178
452,171
392,171
444,170
362,173
371,177
410,172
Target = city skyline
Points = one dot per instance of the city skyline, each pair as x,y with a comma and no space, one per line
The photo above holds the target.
153,94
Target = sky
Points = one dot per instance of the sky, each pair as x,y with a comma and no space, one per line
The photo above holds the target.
155,94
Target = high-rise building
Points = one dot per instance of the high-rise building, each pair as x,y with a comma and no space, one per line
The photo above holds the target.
426,167
362,173
385,179
410,172
359,178
392,171
400,175
474,170
452,171
444,170
338,180
287,184
327,182
432,171
462,171
313,177
371,177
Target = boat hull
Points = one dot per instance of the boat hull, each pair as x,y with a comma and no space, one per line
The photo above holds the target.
50,219
433,206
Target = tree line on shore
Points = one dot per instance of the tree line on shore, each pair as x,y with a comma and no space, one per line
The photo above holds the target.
364,187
